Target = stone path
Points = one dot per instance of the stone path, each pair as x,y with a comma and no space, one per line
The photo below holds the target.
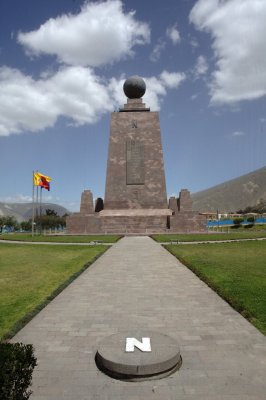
138,285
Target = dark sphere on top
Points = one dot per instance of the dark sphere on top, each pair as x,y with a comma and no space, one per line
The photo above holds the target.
134,87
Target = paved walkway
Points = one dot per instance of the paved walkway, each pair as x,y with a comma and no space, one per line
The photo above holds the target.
138,285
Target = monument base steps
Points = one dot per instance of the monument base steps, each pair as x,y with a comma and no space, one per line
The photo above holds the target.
131,224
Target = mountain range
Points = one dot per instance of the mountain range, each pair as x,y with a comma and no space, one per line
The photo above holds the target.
230,196
23,211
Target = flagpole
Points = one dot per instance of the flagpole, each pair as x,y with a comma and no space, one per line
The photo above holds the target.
41,209
37,203
33,206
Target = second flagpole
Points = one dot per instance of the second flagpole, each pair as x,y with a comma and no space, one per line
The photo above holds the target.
33,206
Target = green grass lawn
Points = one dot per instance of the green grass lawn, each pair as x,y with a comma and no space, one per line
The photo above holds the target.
27,237
237,271
209,236
31,275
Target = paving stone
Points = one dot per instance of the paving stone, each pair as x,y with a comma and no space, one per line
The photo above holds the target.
138,285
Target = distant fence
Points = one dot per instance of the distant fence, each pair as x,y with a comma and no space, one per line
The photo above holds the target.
230,222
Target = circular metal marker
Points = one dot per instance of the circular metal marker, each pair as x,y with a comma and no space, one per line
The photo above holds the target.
138,356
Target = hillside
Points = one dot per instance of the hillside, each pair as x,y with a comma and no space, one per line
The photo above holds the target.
23,211
233,195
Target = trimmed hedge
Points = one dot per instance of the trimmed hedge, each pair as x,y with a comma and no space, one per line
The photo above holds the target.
251,219
238,221
17,363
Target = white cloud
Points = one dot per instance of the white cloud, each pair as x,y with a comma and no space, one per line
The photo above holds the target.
194,96
24,105
201,67
32,105
157,87
194,43
172,79
101,33
156,90
47,197
173,34
238,32
157,50
76,93
18,198
79,94
115,88
238,133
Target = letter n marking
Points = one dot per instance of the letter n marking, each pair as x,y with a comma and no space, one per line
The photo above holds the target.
144,345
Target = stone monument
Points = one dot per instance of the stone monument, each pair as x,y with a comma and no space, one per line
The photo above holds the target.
135,192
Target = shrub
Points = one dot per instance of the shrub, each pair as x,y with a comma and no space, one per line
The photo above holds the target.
237,221
17,362
251,219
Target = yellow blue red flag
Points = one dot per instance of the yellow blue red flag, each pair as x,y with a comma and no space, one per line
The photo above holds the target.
42,180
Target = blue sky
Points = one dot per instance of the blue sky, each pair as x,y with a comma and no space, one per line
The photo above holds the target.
62,67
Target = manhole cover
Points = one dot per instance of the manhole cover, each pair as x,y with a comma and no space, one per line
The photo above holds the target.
138,356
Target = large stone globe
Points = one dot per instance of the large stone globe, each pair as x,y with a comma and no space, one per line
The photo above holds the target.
134,87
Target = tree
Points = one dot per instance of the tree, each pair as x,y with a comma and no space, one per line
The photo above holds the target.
51,221
26,225
51,212
259,208
237,221
9,222
251,219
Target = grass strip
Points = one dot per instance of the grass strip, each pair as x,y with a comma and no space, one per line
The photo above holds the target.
209,237
27,237
236,271
31,276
